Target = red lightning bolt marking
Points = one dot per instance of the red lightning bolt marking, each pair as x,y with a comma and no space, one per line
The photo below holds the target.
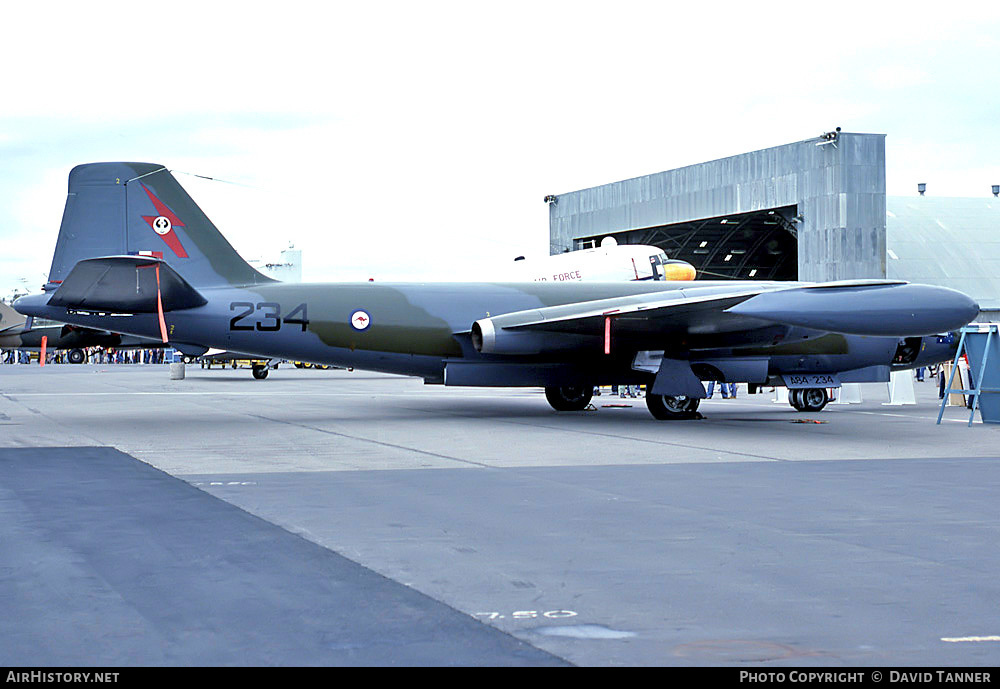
171,238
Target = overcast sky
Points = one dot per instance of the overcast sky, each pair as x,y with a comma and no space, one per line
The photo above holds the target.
416,140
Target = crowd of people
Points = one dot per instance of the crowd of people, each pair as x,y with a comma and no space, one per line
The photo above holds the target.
93,355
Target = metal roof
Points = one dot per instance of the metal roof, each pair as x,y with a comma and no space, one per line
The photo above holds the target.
951,242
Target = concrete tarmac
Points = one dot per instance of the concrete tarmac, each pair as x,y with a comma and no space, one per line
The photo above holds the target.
593,538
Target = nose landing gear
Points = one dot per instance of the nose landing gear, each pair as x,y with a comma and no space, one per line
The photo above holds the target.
808,399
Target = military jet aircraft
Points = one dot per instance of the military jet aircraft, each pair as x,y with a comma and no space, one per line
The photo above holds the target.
135,254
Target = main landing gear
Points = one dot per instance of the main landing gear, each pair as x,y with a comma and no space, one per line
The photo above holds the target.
669,407
808,399
569,398
664,407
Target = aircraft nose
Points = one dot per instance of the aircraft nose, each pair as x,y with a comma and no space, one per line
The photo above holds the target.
918,309
963,308
893,309
679,270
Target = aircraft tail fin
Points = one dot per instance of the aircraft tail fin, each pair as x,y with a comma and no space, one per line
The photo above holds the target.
139,209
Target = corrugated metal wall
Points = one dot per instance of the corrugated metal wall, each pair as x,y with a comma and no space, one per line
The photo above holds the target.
839,191
952,242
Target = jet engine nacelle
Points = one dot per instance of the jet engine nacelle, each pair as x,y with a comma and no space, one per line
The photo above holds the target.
487,338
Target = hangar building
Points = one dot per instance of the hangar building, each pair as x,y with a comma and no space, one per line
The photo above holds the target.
814,210
952,242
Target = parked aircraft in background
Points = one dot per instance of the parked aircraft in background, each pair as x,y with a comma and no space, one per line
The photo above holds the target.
136,254
610,262
18,332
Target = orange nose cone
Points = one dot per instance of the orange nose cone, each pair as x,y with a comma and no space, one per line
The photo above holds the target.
678,270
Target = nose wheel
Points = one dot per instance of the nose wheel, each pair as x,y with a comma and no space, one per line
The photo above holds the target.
808,399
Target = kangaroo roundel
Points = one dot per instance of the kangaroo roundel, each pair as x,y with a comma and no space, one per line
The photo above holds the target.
360,320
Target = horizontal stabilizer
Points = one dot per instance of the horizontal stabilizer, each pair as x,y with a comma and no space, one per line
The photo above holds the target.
125,284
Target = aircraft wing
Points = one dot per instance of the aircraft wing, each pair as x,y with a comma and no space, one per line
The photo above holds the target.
858,307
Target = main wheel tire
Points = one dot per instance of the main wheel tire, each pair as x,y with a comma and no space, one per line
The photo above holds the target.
76,356
569,398
260,372
667,407
808,399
